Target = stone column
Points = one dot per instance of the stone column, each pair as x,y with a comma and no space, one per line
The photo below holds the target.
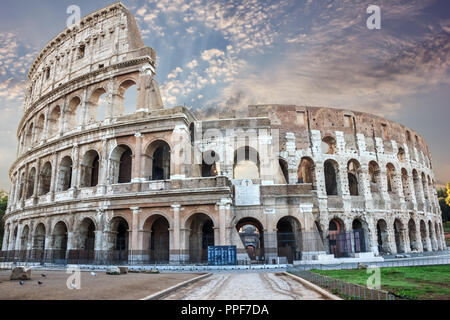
54,176
135,247
137,175
103,174
222,224
179,141
36,181
5,238
419,244
428,238
76,172
175,245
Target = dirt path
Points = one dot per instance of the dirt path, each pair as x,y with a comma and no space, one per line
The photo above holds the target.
130,286
246,286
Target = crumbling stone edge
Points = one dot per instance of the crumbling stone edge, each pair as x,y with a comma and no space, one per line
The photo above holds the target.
159,295
313,287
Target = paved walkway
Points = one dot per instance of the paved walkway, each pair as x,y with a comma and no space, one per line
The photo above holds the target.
246,286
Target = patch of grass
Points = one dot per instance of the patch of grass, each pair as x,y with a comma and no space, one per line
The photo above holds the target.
424,282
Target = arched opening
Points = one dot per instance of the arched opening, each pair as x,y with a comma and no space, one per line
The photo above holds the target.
353,171
339,241
328,145
401,155
39,136
121,165
432,236
53,122
157,239
305,172
73,114
405,185
90,168
412,235
209,163
382,237
29,136
21,185
390,176
246,164
251,233
30,182
398,235
375,177
119,239
46,179
87,240
158,161
127,98
64,174
359,236
97,107
24,242
39,242
283,175
289,239
416,185
423,236
201,236
331,172
59,241
424,186
438,236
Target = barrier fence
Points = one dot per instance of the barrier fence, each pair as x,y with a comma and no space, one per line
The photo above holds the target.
344,289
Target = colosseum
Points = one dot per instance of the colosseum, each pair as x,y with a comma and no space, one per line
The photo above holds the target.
100,180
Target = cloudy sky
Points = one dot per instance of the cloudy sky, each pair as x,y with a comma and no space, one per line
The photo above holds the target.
214,55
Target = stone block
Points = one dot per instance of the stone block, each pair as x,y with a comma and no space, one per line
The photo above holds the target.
21,273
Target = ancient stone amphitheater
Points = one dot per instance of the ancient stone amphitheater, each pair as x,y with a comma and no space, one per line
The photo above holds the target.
96,182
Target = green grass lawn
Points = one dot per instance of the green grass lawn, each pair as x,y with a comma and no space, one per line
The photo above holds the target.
425,282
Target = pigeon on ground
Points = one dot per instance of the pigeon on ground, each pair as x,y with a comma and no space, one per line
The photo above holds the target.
93,274
43,275
39,283
21,283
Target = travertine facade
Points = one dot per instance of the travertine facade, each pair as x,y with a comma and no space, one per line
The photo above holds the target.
161,185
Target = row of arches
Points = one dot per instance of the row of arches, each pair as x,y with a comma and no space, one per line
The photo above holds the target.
99,105
157,167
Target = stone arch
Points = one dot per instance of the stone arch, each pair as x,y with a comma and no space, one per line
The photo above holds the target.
127,97
246,164
354,177
45,178
64,174
200,236
25,238
331,172
156,239
339,242
90,169
328,145
383,237
53,122
283,173
306,173
391,178
401,156
30,182
157,160
424,186
86,231
39,238
405,185
29,136
97,106
210,162
59,243
416,184
360,235
289,238
399,236
72,115
412,233
120,162
375,177
118,241
251,232
40,124
424,236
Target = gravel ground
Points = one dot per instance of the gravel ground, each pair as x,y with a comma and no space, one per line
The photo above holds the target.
132,286
246,286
